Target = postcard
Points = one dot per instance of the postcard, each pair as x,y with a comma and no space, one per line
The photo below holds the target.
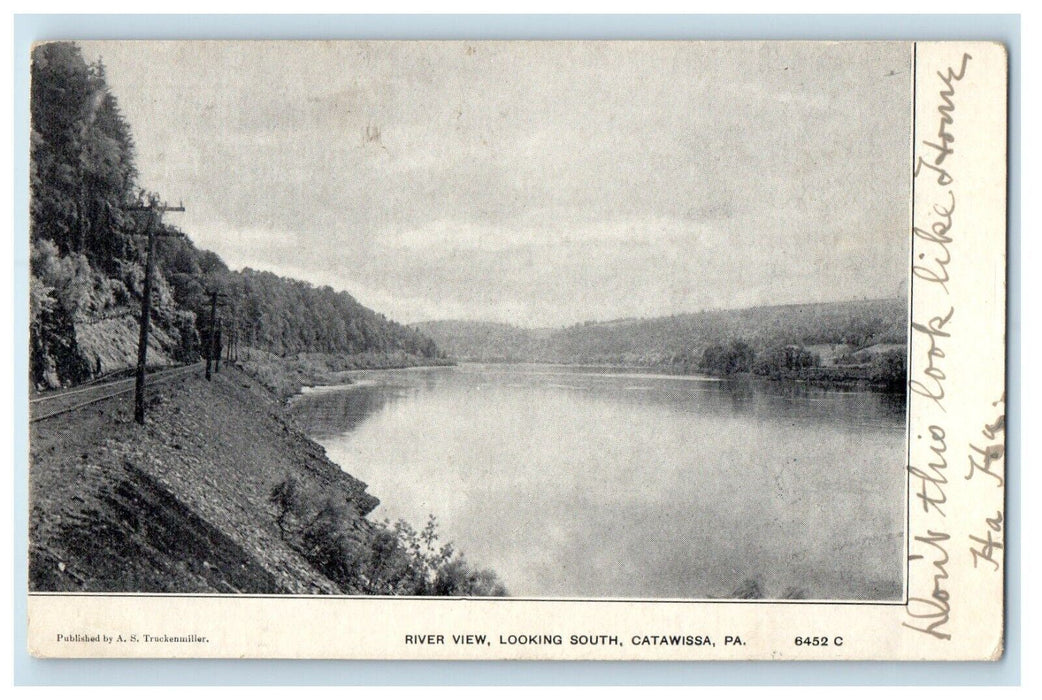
619,350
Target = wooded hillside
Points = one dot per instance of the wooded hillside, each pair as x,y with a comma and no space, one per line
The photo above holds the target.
680,340
88,252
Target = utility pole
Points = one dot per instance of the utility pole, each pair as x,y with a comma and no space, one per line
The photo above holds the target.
233,335
155,211
211,345
220,346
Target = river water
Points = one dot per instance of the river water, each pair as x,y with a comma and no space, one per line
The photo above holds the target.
586,482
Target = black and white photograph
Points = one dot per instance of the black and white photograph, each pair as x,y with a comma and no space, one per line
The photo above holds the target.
534,320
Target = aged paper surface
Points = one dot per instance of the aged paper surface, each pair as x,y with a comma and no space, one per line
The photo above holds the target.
682,522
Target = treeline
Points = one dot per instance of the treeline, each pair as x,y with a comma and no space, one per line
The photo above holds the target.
679,341
489,342
886,368
283,315
672,339
87,250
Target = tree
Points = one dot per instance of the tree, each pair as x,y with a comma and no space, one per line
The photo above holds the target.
83,173
779,361
889,369
730,359
88,259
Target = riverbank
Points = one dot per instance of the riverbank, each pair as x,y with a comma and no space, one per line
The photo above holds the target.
856,377
180,504
218,492
839,378
286,376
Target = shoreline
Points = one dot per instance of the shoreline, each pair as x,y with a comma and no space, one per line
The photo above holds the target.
183,503
841,377
285,377
221,491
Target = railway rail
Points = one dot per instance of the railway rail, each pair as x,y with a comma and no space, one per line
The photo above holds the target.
59,403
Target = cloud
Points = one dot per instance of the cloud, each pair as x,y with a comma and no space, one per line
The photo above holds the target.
542,183
474,236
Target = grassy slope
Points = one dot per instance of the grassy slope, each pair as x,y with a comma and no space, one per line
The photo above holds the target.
180,504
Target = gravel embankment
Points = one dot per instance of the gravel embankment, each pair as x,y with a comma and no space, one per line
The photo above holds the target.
181,503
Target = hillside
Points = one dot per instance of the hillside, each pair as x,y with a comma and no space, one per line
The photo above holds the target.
217,490
489,342
162,507
680,339
166,507
88,252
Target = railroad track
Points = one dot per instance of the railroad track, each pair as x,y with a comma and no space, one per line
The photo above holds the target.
56,404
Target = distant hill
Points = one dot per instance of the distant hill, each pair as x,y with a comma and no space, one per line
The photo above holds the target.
676,339
489,342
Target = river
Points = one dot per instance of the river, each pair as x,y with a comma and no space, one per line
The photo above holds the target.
595,483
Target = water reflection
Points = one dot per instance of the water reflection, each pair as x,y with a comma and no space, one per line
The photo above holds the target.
340,410
336,412
581,481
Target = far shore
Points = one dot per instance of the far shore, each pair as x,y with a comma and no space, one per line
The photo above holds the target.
838,376
289,376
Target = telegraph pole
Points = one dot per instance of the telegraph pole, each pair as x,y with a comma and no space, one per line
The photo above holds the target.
233,336
155,211
220,346
211,345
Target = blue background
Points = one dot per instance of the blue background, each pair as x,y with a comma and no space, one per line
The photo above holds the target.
30,28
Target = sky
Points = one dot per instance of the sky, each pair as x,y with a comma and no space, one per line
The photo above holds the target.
534,183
